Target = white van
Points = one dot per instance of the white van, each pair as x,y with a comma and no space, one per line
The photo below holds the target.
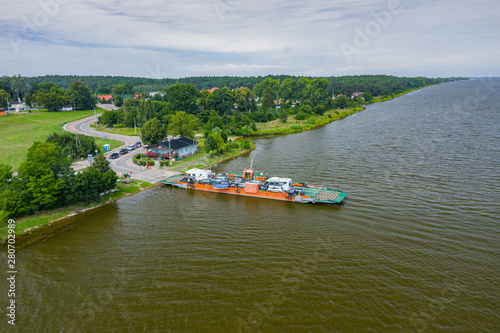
276,184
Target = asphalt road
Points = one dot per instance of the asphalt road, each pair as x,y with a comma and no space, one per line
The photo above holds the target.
124,163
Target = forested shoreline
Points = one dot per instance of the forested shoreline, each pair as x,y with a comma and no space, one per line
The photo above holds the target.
374,84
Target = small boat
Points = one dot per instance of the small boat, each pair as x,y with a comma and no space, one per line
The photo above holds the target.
254,184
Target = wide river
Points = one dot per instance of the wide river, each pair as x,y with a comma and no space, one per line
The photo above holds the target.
415,247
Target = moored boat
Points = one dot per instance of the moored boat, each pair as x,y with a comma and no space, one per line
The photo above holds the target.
254,184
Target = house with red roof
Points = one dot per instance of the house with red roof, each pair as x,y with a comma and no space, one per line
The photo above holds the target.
104,98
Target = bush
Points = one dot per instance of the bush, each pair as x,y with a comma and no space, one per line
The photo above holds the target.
306,108
283,116
296,127
119,125
163,163
320,109
301,116
245,144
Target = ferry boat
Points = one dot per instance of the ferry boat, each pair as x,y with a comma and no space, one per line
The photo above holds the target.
255,184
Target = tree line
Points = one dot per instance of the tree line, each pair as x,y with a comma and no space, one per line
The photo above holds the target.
45,94
376,85
219,113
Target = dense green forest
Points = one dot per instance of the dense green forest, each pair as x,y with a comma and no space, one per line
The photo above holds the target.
376,85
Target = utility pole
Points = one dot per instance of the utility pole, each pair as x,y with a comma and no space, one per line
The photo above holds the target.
135,128
142,143
95,114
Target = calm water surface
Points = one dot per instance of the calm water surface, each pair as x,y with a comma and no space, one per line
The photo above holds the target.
415,247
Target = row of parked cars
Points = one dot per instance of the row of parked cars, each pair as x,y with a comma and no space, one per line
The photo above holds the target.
126,150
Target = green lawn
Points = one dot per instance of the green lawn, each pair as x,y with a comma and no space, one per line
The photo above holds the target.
121,131
20,130
112,143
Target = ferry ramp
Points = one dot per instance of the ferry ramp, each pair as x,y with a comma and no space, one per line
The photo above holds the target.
324,195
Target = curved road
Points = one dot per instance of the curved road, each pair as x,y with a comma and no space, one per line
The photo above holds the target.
122,164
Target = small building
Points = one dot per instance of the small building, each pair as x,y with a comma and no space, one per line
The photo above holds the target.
19,106
104,98
357,94
179,148
153,93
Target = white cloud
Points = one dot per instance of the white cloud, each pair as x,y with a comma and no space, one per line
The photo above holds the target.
195,37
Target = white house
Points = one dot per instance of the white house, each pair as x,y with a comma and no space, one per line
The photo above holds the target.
19,106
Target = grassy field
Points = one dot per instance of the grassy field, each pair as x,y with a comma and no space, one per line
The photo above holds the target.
121,131
292,125
20,130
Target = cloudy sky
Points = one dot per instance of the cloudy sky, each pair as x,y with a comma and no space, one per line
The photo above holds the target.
164,38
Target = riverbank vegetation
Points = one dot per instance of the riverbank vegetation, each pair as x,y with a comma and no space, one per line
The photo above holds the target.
270,107
28,224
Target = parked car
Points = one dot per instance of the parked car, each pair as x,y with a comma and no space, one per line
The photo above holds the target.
220,179
131,147
123,151
238,182
113,156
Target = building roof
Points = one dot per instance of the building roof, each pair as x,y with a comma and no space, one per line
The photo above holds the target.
177,143
105,97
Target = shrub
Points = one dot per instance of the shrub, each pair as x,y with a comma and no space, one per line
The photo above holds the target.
301,116
283,116
306,108
245,144
163,163
119,125
295,127
320,109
